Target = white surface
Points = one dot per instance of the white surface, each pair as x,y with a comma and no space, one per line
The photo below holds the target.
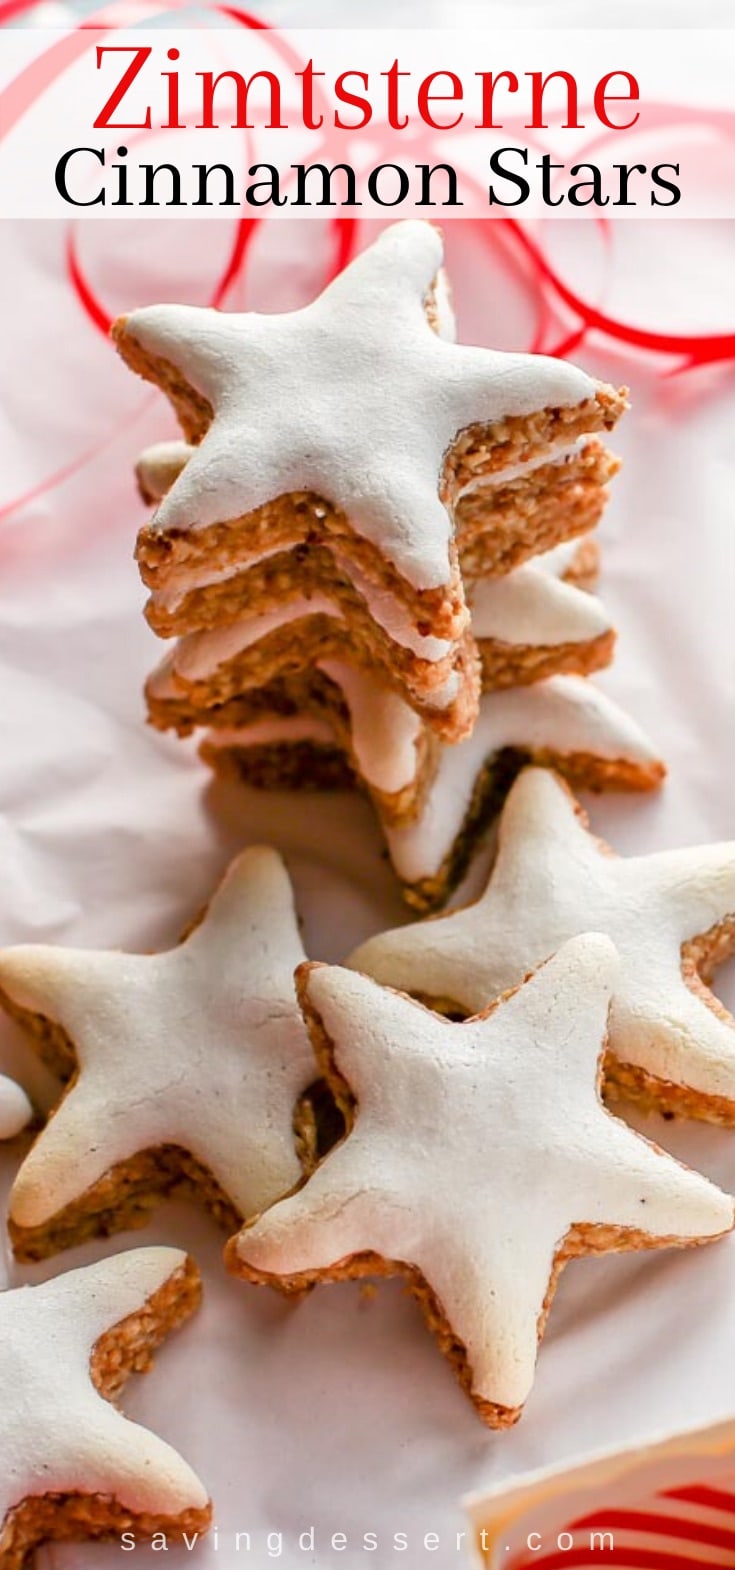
339,1412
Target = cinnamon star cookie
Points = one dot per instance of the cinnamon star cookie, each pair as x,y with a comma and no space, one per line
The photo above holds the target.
71,1466
671,915
478,1160
184,1067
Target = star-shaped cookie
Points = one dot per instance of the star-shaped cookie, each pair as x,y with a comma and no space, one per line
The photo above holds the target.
72,1465
355,398
187,1066
478,1160
671,915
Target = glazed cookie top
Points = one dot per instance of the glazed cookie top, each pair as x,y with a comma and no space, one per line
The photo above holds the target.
202,1047
354,397
475,1149
57,1434
15,1108
553,879
533,606
563,715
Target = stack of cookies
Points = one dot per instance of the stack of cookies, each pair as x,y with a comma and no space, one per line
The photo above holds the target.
367,551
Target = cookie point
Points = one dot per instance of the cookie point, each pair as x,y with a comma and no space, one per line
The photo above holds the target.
21,966
118,328
317,977
718,1210
594,952
258,867
539,790
263,856
26,1209
336,987
15,1108
416,231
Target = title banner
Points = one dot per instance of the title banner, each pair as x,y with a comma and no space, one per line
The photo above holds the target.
155,121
